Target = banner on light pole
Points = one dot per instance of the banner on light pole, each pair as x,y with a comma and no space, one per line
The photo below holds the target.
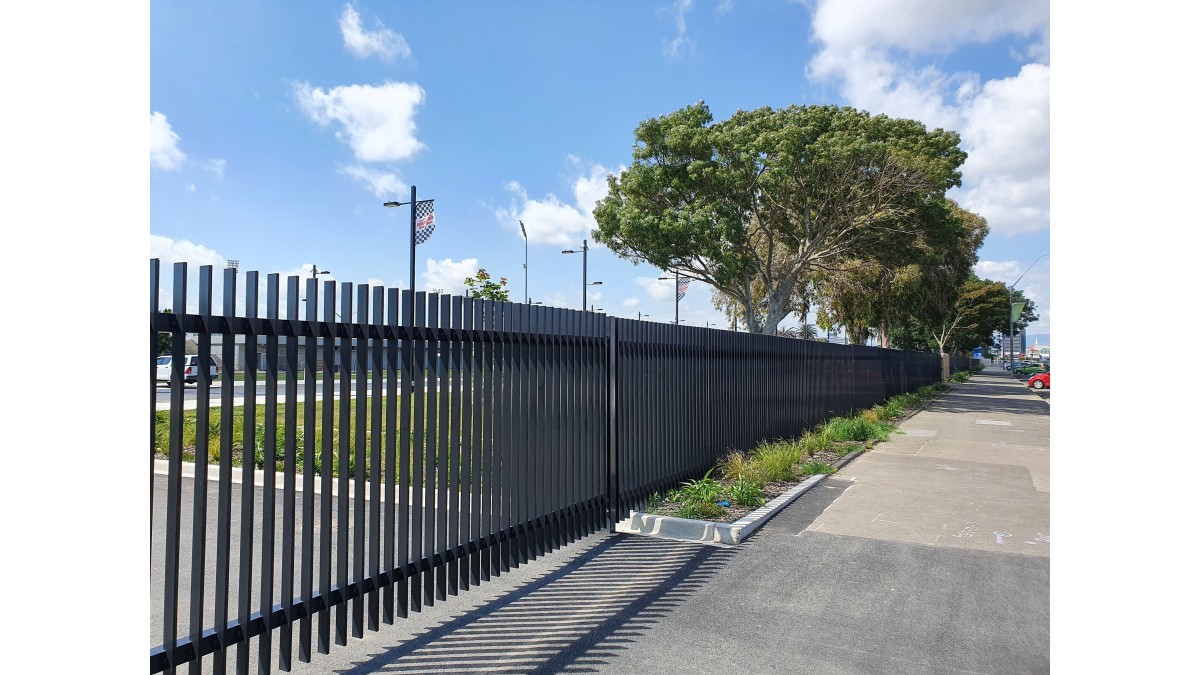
1017,308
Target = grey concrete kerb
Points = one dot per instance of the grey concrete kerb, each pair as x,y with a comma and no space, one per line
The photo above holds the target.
724,535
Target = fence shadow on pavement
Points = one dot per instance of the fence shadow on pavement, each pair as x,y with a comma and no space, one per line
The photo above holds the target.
569,621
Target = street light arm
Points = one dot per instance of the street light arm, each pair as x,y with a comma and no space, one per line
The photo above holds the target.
1014,284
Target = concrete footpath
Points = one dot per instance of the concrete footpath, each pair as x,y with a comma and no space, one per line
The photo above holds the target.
929,554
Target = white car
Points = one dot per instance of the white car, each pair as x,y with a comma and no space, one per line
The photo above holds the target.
191,368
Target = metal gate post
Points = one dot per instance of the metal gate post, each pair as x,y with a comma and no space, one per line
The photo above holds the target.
614,483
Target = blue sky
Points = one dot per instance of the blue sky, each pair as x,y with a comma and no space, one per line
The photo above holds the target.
279,129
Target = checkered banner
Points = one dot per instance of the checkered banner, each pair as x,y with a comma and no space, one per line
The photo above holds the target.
681,286
425,222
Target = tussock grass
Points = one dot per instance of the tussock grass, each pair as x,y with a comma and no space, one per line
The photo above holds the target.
814,468
743,474
856,429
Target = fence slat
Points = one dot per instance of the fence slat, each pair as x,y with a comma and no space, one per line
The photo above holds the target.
329,303
249,421
359,347
378,471
270,410
444,479
225,478
344,525
307,516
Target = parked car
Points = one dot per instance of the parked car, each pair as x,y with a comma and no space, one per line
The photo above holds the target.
1040,381
191,368
1028,369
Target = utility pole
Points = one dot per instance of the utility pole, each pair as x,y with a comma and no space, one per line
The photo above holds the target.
1011,337
526,266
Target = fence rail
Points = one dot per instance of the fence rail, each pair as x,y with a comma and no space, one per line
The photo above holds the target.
460,439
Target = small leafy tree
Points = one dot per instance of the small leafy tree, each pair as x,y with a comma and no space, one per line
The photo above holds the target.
164,339
482,286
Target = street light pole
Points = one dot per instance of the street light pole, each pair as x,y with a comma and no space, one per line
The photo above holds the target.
526,261
584,251
676,293
1011,336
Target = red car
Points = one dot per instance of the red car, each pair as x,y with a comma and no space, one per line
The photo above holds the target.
1040,381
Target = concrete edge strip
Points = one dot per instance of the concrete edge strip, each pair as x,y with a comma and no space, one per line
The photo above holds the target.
724,535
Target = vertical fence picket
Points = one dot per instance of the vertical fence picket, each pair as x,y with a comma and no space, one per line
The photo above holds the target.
479,514
345,401
454,392
174,472
225,475
270,408
200,482
391,531
329,338
407,442
307,517
287,587
375,366
443,447
361,487
249,442
429,526
418,447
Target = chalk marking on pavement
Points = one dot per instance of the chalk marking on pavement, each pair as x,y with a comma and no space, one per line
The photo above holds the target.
1001,535
994,423
968,531
1040,539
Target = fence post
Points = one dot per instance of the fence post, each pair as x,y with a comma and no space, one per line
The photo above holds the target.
614,483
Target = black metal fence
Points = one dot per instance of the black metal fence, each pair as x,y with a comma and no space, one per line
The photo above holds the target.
466,438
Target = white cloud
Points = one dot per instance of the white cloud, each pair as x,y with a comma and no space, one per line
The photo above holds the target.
551,221
631,303
448,275
363,43
1006,131
1004,123
164,144
377,122
998,270
556,299
216,167
171,251
674,49
657,289
925,25
382,183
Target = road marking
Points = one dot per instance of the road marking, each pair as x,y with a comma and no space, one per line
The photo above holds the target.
994,423
1001,535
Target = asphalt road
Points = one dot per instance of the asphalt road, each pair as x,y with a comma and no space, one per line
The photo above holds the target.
162,393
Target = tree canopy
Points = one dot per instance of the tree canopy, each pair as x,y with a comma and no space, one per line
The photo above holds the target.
482,286
758,204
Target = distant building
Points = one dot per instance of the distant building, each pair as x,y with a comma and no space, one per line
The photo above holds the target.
1038,351
1014,346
